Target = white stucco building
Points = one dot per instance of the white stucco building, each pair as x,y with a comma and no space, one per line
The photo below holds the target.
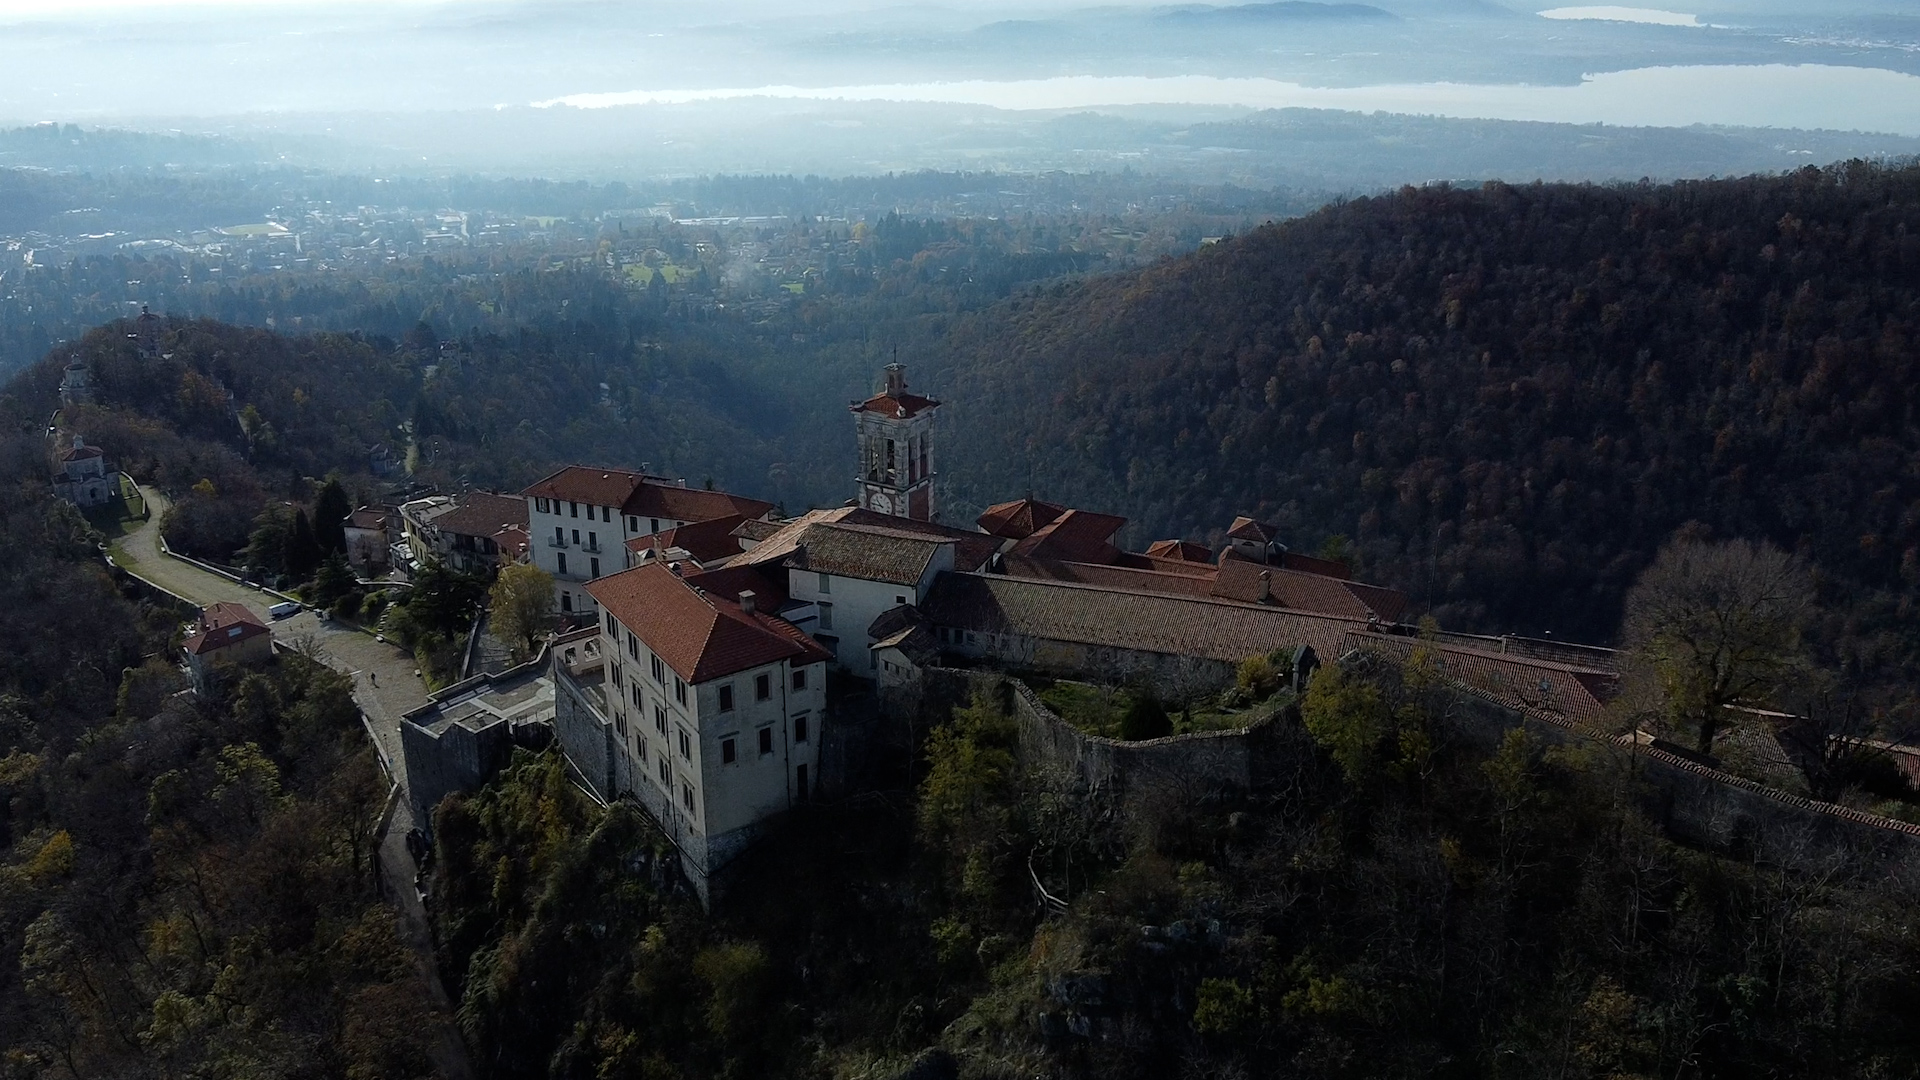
706,709
580,519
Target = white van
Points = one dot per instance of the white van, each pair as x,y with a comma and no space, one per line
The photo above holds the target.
283,609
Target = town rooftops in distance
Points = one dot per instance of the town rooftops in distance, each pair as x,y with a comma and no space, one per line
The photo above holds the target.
699,634
222,625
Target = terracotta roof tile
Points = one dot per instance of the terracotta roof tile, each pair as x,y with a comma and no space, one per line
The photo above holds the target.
866,552
700,634
1018,519
897,405
1245,528
1521,682
1147,622
1180,551
654,498
1075,536
708,541
222,625
581,483
482,513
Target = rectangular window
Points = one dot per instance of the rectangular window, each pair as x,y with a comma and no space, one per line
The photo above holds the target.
616,674
679,690
799,729
660,719
826,616
573,509
686,745
593,540
766,741
666,773
638,701
826,584
659,672
653,524
611,628
633,524
899,599
762,687
576,538
540,505
560,562
606,514
727,753
726,699
593,568
559,536
620,723
633,646
566,598
686,795
800,678
643,751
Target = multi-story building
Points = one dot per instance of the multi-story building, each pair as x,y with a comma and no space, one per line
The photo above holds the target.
706,709
581,518
84,479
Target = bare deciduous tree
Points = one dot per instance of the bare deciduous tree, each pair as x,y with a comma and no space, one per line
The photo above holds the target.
1711,625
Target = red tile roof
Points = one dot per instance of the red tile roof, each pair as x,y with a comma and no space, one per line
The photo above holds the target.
700,634
1307,564
1518,681
900,405
708,541
581,483
1239,579
1245,528
482,513
1075,536
656,498
971,550
370,518
1180,551
223,625
1018,519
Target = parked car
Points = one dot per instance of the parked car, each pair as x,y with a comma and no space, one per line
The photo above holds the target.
283,609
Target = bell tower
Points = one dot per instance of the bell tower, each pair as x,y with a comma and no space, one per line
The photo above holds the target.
895,433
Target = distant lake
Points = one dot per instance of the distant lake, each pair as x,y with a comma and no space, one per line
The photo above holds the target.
1761,95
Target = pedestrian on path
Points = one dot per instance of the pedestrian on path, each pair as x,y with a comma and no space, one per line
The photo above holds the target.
373,677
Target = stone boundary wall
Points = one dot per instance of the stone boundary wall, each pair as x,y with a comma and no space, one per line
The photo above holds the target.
1692,801
1195,768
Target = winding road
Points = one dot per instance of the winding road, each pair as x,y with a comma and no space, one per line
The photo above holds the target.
385,685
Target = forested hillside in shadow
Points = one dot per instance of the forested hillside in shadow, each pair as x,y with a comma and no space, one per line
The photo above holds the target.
1506,396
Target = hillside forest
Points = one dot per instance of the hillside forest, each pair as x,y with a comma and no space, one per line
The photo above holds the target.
1511,395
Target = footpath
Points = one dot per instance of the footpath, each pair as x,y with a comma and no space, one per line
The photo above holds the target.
385,686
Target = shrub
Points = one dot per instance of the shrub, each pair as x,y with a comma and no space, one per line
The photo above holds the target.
1145,718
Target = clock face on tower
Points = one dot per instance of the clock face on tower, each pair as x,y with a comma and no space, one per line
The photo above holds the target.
880,503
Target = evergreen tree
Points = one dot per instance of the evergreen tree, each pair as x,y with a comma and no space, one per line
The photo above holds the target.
302,554
330,512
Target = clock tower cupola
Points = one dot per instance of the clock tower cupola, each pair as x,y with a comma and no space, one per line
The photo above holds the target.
895,432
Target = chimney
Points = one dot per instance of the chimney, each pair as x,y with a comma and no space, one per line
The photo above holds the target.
896,379
746,601
1266,586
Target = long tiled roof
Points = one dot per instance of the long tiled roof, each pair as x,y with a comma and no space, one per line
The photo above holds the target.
1146,622
700,634
222,625
867,552
656,499
1245,528
1180,551
1239,579
971,550
482,513
585,484
1578,694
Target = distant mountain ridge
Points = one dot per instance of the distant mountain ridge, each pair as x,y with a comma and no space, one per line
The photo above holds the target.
1280,11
